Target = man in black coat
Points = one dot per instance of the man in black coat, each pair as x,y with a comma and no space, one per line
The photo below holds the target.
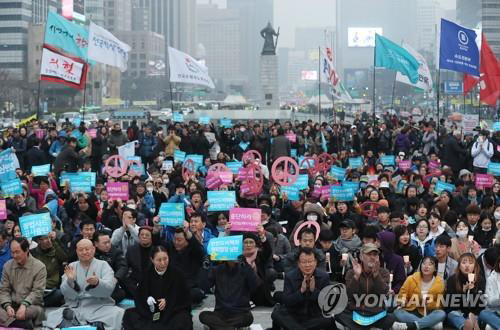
187,254
453,152
300,309
280,145
35,155
114,257
68,158
138,259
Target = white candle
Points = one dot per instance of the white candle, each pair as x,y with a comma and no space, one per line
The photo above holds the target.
344,256
443,224
471,277
390,277
406,259
471,237
494,241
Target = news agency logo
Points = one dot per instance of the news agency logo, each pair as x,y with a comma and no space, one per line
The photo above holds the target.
463,38
332,300
193,67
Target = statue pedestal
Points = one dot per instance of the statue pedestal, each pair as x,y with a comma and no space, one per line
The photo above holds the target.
269,97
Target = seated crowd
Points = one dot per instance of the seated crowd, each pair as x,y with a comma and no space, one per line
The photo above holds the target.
415,247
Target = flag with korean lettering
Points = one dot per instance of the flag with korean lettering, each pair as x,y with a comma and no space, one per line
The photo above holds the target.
185,69
424,74
458,48
59,68
330,76
105,48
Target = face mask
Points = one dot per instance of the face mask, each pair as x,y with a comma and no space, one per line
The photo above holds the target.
312,217
462,233
497,215
166,181
220,229
487,229
150,189
131,206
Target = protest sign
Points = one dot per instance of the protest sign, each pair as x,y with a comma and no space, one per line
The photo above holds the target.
117,190
354,186
225,248
234,166
355,162
226,123
494,168
496,126
179,156
127,150
197,159
171,214
79,181
11,188
7,168
244,219
213,180
285,171
42,170
92,133
167,165
178,117
293,153
484,181
204,120
221,200
433,165
302,182
291,137
244,145
3,210
292,192
404,165
441,186
338,173
388,160
342,193
35,224
226,177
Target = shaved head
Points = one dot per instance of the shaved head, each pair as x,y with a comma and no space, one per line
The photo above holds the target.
85,250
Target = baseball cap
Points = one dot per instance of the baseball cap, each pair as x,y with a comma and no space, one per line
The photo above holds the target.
347,223
369,247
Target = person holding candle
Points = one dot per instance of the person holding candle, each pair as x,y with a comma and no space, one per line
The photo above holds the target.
465,284
464,241
419,297
410,253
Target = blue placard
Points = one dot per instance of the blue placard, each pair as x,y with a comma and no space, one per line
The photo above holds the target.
354,186
76,134
494,168
197,160
221,200
292,192
11,188
293,153
81,327
225,248
234,166
355,162
127,303
307,164
35,224
496,126
226,123
342,193
388,160
244,145
367,320
338,173
458,50
179,156
138,168
178,117
42,170
172,214
204,120
7,167
80,181
302,182
440,186
453,87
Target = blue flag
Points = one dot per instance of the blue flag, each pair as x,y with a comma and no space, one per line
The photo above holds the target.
391,56
458,50
323,142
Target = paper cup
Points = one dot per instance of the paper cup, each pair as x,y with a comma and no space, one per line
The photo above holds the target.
406,259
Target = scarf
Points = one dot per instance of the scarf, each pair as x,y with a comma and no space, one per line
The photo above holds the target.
251,260
345,246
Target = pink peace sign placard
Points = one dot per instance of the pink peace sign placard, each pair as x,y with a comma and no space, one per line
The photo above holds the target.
307,224
255,181
369,209
324,162
118,168
188,169
309,162
250,156
218,167
132,165
282,176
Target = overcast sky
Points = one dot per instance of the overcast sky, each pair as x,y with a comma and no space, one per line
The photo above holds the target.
290,14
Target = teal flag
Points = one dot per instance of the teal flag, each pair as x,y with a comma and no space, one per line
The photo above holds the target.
68,36
323,142
391,56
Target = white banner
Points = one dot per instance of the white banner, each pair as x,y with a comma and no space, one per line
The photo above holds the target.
185,69
105,48
424,75
127,150
330,76
59,68
469,123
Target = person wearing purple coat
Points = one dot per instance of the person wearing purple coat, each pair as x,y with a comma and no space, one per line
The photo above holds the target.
391,261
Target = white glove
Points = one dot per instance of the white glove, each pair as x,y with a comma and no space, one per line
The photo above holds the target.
151,302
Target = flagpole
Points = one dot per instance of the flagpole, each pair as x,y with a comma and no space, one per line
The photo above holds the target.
170,84
393,91
438,94
463,91
319,84
333,94
374,63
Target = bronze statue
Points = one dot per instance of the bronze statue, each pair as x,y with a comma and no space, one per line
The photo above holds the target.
268,34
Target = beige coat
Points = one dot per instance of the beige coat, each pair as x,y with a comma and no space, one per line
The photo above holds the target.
171,143
23,285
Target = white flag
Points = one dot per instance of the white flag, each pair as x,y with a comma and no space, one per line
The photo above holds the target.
127,150
330,76
58,68
424,75
185,69
105,48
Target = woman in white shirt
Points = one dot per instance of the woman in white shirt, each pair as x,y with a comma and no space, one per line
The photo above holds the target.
491,315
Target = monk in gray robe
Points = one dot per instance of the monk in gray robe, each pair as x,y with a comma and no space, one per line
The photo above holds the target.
87,285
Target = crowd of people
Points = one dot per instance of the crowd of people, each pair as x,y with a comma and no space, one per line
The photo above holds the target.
418,233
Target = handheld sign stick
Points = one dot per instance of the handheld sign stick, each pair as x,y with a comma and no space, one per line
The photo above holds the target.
328,263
